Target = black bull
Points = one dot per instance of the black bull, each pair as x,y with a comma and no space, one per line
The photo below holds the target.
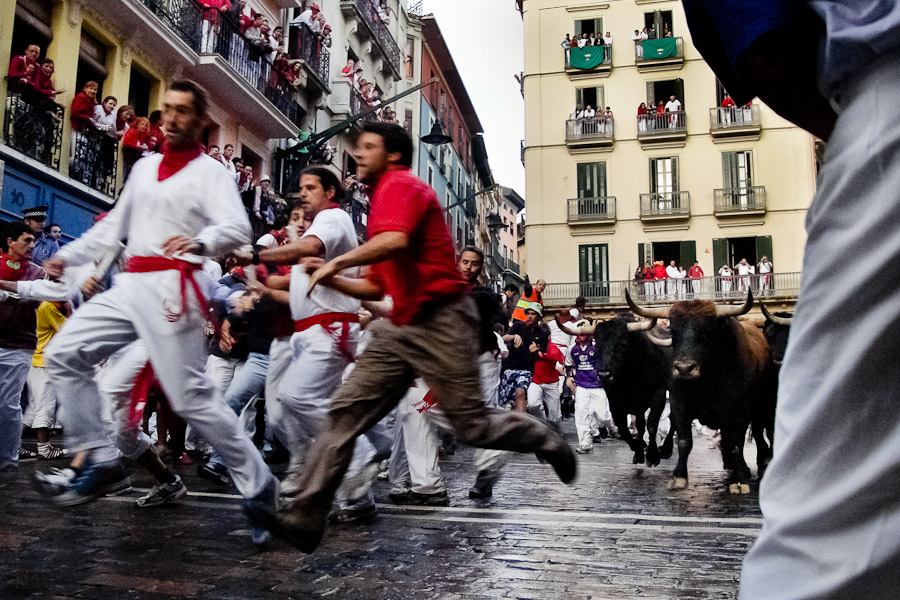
634,381
722,374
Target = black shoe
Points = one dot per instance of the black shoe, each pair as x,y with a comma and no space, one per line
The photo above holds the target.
604,433
484,484
598,439
293,527
218,474
411,498
562,459
354,513
261,510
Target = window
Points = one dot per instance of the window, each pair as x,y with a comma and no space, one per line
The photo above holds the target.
410,56
663,90
591,179
408,121
430,176
736,172
658,22
593,271
663,175
91,62
720,92
594,97
589,26
139,88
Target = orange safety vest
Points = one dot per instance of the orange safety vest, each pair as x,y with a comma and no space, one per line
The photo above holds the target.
522,304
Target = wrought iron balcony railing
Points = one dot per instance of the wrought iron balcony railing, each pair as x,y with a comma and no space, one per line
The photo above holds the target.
775,286
665,204
665,124
308,47
184,17
740,200
33,125
94,160
734,117
590,128
590,210
369,11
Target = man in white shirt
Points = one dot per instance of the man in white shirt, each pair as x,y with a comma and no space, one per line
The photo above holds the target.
744,270
227,155
672,281
607,39
310,18
764,269
582,41
175,209
637,38
673,106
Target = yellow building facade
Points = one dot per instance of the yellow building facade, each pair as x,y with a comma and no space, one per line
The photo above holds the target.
607,193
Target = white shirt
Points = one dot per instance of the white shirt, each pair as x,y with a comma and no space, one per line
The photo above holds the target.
673,105
637,37
566,43
560,337
744,269
590,113
306,18
267,241
672,272
725,272
104,122
582,42
607,40
334,228
765,267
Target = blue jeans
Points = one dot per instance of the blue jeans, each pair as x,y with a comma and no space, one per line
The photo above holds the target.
14,365
248,382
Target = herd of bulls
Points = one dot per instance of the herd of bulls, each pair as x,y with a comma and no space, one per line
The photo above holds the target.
716,368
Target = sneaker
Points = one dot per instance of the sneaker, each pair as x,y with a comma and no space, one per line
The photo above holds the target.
484,484
54,481
598,439
261,510
26,453
93,482
584,449
358,484
163,493
53,453
412,498
216,473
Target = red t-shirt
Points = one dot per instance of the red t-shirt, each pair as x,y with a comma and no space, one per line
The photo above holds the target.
82,109
695,272
659,272
426,271
545,367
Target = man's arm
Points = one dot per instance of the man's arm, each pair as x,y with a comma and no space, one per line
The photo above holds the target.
380,248
361,289
290,254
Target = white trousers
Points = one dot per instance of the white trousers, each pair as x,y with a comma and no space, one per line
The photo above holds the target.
280,357
591,412
177,350
41,411
830,502
545,396
115,381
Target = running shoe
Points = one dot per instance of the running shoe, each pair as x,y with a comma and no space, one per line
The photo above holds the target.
260,510
216,473
53,481
354,513
53,453
584,449
26,453
412,498
163,493
96,480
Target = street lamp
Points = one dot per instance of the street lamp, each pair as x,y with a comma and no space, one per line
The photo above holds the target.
437,137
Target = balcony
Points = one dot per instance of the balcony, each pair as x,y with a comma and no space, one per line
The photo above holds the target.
773,286
522,152
665,205
740,201
367,12
307,46
359,104
738,123
33,126
590,61
592,211
505,264
94,160
232,66
590,133
664,54
666,130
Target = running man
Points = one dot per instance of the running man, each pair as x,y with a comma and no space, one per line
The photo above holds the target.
176,208
432,333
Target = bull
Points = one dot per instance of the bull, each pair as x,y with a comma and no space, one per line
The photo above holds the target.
635,380
721,374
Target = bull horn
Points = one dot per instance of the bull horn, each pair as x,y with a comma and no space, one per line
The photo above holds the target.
770,317
647,313
734,311
642,325
582,327
658,341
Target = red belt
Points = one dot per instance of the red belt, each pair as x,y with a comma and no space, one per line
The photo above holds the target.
153,264
326,320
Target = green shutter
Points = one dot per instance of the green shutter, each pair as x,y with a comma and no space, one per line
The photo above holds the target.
601,179
720,253
641,255
679,92
651,101
729,169
645,253
579,97
653,180
688,253
764,247
601,98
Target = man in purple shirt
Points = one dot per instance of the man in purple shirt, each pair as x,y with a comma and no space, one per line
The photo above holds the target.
583,370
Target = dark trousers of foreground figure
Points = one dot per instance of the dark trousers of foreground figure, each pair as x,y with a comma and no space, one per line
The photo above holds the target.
442,349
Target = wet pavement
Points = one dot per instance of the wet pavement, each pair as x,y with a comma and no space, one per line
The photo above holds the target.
618,533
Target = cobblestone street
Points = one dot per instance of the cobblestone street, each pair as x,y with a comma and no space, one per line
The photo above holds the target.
618,533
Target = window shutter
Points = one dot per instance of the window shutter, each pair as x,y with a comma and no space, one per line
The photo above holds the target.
688,253
653,180
651,95
729,170
764,247
720,254
675,187
679,92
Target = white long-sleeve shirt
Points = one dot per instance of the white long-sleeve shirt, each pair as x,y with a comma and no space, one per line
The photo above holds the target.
199,202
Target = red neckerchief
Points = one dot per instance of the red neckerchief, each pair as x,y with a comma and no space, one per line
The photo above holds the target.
12,270
174,160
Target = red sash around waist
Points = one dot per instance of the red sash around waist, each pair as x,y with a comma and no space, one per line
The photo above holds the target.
326,320
153,264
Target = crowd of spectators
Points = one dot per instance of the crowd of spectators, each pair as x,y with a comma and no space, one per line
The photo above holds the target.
367,92
660,282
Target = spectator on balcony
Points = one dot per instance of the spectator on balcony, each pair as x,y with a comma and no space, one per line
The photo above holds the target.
744,271
103,118
725,116
642,118
384,12
276,42
349,70
660,116
567,47
226,159
591,41
607,39
156,127
672,279
235,11
43,83
590,120
212,23
695,274
326,36
764,270
682,275
607,120
83,107
245,180
647,277
124,119
666,32
637,38
134,143
583,40
23,69
650,33
659,277
726,274
295,74
309,18
673,106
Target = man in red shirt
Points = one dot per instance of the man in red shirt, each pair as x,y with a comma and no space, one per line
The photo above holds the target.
660,276
695,274
23,70
432,334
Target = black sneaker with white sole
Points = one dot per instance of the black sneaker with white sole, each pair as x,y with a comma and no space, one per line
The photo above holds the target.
163,493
